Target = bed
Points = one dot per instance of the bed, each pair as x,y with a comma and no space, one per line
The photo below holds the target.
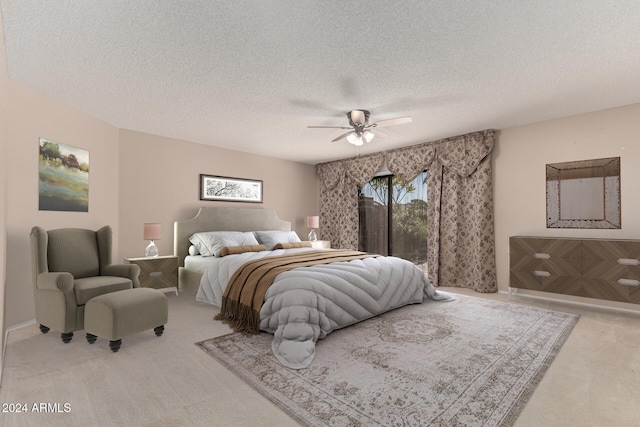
333,288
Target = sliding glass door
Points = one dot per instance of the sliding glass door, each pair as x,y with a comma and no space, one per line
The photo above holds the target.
393,217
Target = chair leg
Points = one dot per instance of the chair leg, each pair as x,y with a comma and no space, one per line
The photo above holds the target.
115,345
91,338
159,330
44,329
66,337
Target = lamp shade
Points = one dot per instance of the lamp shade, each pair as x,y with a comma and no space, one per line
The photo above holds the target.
355,139
152,231
313,221
368,136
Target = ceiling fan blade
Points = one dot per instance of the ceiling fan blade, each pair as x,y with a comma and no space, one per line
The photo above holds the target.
344,135
393,122
379,133
329,127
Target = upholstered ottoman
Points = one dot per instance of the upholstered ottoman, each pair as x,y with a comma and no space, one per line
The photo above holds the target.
118,314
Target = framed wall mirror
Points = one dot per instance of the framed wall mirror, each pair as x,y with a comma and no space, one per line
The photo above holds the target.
584,194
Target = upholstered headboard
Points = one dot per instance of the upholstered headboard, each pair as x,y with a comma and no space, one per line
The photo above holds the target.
223,219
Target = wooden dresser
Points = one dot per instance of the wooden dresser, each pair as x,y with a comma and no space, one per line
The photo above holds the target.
593,268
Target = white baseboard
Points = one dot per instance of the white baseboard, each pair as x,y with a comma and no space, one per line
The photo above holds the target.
19,326
602,305
6,338
11,329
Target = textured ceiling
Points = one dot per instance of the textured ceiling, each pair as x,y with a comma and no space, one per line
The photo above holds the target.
252,75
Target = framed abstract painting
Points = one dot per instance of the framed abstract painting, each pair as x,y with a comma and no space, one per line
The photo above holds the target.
63,177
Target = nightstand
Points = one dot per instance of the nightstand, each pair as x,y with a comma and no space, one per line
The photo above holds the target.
324,244
158,272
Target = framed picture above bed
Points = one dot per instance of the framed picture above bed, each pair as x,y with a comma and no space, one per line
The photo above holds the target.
226,189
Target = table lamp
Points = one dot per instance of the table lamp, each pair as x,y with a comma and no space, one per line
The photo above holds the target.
152,231
312,223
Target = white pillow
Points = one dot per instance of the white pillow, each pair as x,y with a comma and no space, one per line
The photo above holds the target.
271,238
193,250
209,243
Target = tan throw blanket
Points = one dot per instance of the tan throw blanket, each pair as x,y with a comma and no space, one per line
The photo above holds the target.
244,294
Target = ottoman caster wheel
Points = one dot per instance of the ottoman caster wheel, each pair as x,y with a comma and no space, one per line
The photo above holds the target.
44,329
66,337
91,338
159,330
115,345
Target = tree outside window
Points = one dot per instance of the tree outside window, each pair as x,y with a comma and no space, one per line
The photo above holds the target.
393,217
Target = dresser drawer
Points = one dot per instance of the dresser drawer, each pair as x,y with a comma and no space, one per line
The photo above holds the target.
157,272
611,270
556,275
625,251
542,264
612,290
542,248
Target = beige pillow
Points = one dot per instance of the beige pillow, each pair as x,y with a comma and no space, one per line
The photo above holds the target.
234,250
291,245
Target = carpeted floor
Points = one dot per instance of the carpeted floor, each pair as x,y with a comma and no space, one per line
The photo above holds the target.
468,362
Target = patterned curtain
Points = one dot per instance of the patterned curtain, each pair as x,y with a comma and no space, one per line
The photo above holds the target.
460,217
408,163
461,249
339,183
334,207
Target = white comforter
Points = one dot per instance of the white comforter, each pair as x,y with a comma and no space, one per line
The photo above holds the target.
305,304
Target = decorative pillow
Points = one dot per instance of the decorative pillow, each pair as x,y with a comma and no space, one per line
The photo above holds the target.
271,238
233,250
193,250
209,243
291,245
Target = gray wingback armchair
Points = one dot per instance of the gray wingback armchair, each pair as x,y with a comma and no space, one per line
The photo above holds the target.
71,266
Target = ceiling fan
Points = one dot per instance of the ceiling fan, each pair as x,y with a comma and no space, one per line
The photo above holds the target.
360,130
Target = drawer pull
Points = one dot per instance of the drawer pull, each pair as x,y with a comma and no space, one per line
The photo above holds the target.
541,273
628,282
156,274
541,256
628,261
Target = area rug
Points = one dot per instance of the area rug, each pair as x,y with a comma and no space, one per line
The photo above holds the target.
468,362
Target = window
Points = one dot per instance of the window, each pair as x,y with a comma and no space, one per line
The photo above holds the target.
393,217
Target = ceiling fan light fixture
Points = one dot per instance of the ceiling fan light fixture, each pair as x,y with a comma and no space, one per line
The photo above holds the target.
355,139
368,136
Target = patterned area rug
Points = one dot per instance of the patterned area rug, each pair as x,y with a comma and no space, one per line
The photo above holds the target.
468,362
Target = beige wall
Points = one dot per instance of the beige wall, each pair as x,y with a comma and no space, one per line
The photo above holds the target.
159,182
4,105
31,116
520,157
